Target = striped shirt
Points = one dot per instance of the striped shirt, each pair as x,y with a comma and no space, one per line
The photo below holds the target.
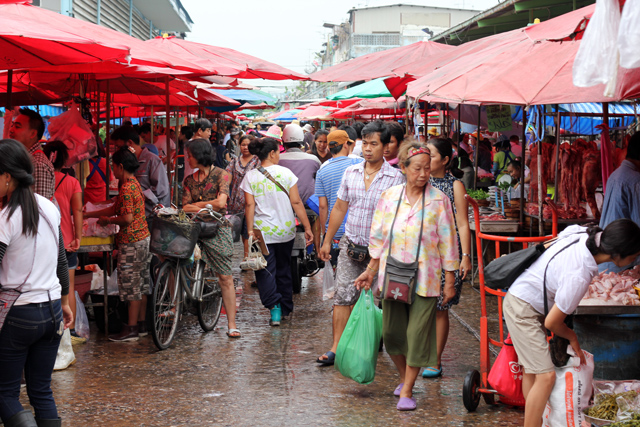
43,173
362,204
328,183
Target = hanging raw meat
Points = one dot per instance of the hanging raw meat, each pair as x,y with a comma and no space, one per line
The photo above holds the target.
591,179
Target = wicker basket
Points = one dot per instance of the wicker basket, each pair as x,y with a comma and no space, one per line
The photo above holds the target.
173,238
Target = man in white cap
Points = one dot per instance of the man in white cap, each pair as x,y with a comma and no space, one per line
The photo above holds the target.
303,165
308,137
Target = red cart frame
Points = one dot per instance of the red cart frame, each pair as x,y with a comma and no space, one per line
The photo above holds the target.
475,383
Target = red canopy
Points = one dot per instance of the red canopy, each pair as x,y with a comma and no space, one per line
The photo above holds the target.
315,112
224,61
31,36
398,61
261,106
529,66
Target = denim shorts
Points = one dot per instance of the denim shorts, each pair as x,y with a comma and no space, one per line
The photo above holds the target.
72,260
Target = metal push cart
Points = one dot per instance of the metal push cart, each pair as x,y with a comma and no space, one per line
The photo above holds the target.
475,383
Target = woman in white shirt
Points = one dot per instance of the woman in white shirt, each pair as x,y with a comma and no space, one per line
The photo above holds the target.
30,335
568,274
270,192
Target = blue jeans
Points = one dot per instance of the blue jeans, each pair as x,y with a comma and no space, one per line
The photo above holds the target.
274,282
29,341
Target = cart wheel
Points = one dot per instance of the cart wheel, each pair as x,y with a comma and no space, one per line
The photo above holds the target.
470,393
210,307
489,398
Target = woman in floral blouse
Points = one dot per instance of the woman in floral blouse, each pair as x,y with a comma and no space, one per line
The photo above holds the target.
238,168
132,240
409,331
210,186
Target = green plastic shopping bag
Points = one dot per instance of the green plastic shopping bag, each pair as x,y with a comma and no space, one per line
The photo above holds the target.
357,351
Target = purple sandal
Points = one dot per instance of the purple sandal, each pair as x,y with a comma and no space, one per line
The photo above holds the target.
398,389
406,404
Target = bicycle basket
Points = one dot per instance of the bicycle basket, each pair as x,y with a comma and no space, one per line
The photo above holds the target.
173,238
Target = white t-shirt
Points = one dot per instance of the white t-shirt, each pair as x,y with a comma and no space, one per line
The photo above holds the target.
357,150
568,275
20,255
273,214
161,144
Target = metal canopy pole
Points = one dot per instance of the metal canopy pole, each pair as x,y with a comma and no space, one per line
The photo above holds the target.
167,129
8,105
523,202
475,151
557,197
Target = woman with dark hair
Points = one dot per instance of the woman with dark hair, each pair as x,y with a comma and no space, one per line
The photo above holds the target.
566,268
69,197
391,150
445,176
412,223
132,240
238,168
210,186
270,192
34,291
320,147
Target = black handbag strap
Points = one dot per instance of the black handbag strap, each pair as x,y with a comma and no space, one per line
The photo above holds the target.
272,179
544,277
394,221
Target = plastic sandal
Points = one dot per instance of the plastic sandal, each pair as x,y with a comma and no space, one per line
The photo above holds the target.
330,360
406,404
230,333
432,372
398,389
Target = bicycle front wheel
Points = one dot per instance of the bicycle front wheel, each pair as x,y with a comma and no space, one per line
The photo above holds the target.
166,305
211,305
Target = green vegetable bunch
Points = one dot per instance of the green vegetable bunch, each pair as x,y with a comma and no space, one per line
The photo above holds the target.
478,194
633,422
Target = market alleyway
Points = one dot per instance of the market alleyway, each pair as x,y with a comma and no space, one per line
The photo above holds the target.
269,377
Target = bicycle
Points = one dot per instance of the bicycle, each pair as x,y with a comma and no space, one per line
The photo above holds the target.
186,284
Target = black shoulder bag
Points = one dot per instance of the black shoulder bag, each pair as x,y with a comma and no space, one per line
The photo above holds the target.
401,278
502,272
557,345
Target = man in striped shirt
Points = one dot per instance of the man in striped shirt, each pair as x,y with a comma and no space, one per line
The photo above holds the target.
329,178
360,189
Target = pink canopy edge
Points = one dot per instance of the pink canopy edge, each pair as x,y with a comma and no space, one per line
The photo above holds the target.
398,61
528,66
226,62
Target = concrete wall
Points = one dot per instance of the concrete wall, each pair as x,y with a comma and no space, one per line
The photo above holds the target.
391,19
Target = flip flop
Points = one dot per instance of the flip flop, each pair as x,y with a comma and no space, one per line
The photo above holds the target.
406,404
398,389
330,360
432,372
230,333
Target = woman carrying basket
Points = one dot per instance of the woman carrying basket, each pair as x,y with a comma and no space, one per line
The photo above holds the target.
565,269
210,186
413,223
132,240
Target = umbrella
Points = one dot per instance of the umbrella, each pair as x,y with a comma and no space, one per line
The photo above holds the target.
227,62
246,95
261,106
528,66
391,62
315,112
31,36
372,89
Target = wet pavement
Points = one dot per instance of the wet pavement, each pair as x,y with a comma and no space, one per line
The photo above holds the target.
269,377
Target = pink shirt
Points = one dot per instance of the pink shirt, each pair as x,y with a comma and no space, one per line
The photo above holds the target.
439,247
66,187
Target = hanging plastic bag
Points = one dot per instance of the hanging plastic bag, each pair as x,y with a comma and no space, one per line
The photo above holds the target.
112,283
629,35
597,59
357,352
506,375
82,321
571,392
70,128
328,282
